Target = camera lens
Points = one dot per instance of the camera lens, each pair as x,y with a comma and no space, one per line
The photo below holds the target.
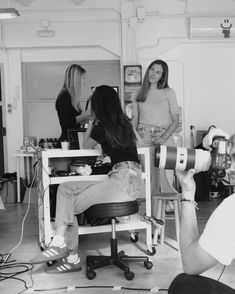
178,158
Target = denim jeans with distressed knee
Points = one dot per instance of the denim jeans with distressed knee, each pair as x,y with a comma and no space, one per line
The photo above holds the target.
124,183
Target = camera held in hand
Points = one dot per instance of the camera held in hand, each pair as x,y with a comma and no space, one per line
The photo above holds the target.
178,158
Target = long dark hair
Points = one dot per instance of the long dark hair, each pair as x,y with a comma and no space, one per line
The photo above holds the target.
107,110
162,83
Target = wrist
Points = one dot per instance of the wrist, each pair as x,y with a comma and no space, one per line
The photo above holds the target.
165,136
190,202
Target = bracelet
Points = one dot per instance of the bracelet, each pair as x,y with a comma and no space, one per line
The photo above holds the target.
190,201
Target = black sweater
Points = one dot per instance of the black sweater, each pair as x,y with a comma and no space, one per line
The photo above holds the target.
116,154
66,114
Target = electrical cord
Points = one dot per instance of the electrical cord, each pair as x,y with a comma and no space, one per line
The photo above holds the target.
20,267
23,222
41,192
114,288
3,260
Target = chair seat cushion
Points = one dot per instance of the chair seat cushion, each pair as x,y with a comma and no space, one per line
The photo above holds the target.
113,209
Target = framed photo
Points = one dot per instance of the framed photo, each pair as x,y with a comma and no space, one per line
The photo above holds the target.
116,88
132,74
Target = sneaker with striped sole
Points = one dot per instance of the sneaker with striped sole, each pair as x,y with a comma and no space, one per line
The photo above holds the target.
63,266
50,254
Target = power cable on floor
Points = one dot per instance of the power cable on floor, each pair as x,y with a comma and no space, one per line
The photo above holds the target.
20,268
114,288
23,267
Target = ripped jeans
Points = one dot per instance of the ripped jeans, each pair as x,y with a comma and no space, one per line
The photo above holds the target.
161,180
124,183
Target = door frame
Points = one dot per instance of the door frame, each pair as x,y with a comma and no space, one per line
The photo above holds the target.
2,104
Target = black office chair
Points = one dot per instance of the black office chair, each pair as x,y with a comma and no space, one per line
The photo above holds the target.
113,210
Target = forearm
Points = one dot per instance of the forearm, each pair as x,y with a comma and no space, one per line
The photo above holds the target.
195,259
135,115
134,122
170,130
188,231
83,116
88,133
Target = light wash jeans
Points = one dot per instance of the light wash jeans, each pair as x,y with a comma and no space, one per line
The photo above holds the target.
124,183
161,180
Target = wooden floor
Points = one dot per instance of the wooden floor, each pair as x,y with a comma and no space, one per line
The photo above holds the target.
166,261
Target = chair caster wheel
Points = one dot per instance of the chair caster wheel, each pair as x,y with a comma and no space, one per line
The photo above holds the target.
129,275
50,263
148,264
90,274
121,253
153,252
134,237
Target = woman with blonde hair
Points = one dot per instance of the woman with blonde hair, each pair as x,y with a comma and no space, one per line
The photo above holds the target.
70,114
68,102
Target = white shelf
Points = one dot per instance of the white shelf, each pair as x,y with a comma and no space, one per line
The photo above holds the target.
59,180
54,153
136,222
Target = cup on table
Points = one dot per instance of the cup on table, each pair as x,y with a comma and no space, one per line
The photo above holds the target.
65,145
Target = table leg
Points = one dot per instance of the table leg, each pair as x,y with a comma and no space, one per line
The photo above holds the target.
81,139
18,179
28,165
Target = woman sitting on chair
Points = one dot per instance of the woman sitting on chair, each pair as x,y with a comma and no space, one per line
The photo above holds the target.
113,131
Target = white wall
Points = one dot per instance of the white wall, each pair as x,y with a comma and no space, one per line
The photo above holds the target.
42,83
209,73
111,29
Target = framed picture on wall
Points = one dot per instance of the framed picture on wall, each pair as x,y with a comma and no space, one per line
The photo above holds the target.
132,74
116,88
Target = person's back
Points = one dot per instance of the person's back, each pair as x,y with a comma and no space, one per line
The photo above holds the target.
117,154
66,113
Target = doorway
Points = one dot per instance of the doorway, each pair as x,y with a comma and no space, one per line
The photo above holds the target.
2,132
42,82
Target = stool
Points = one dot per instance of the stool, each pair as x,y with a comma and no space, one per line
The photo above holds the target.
159,206
113,210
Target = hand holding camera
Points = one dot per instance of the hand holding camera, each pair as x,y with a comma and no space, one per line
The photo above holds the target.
217,160
209,138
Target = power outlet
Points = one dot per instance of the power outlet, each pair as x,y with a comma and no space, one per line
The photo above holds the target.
9,108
